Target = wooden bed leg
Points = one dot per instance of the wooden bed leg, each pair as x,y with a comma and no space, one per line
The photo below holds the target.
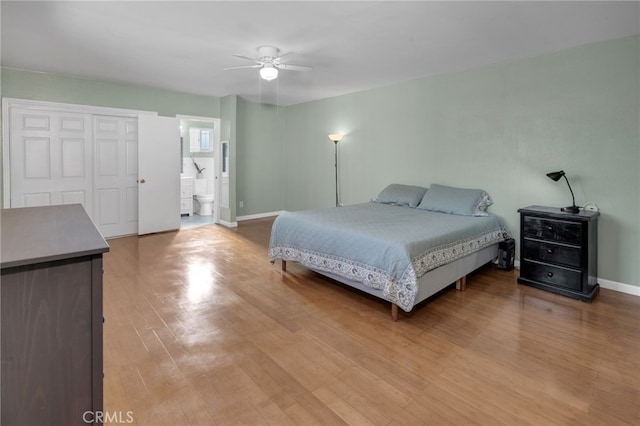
394,312
461,284
284,266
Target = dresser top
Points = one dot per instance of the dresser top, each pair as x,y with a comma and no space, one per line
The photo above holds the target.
555,212
32,235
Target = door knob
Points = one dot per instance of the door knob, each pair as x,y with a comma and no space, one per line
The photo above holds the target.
142,181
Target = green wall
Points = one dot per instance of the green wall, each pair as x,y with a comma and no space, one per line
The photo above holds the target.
55,88
500,128
259,158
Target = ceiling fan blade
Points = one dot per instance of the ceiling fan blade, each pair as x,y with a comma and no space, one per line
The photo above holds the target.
284,54
292,67
246,66
247,58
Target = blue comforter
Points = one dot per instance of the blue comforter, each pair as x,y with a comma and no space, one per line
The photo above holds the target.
382,246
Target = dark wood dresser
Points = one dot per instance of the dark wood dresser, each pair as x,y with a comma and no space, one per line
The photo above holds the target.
51,301
559,251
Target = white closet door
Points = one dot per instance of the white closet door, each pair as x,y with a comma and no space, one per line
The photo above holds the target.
159,159
115,175
50,158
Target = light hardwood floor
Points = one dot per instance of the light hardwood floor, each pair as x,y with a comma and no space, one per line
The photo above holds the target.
201,329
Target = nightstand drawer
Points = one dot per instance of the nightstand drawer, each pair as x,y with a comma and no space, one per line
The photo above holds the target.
554,253
552,275
553,230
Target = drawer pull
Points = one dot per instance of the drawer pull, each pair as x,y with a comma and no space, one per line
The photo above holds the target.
550,274
549,250
548,228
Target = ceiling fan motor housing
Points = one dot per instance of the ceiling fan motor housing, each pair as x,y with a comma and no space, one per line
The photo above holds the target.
268,53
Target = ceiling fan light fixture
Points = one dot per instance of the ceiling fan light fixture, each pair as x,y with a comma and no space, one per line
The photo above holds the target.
268,72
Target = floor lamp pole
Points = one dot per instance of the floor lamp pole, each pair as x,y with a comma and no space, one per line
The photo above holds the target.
336,152
335,138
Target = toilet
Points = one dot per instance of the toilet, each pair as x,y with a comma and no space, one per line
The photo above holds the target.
204,200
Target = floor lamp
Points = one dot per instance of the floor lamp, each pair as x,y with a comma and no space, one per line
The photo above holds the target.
335,138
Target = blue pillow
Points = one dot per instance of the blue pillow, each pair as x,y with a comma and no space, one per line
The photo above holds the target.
462,201
401,195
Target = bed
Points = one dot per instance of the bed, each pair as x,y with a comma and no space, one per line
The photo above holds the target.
404,246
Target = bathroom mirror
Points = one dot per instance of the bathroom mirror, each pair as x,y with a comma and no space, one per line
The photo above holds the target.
225,158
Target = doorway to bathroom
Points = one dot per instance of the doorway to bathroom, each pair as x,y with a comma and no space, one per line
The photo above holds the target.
199,182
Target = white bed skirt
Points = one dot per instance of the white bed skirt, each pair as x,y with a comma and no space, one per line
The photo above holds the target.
436,279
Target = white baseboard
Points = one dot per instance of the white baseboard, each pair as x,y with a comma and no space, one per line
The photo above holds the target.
621,287
228,224
257,216
608,284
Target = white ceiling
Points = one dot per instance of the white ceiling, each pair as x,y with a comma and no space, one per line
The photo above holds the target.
352,46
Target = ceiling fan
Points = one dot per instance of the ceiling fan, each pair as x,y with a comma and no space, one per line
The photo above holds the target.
269,62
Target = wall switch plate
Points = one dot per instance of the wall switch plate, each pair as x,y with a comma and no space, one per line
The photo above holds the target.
241,203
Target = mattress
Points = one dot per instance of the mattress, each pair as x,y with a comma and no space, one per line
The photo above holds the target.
384,247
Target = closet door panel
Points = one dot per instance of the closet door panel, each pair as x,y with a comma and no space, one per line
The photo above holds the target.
116,175
51,155
37,158
73,197
73,165
132,204
108,206
36,199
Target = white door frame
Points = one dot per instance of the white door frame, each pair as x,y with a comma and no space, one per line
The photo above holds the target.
8,103
216,159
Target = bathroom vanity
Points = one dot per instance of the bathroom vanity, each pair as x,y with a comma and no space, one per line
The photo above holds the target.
186,195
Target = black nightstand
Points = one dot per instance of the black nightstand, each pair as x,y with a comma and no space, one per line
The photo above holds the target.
559,251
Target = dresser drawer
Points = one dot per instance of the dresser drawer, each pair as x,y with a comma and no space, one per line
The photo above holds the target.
552,275
554,253
553,230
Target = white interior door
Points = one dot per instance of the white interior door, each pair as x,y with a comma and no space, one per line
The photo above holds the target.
159,159
50,158
115,175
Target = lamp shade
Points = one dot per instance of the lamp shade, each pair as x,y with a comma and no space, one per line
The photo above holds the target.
268,72
555,176
336,137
